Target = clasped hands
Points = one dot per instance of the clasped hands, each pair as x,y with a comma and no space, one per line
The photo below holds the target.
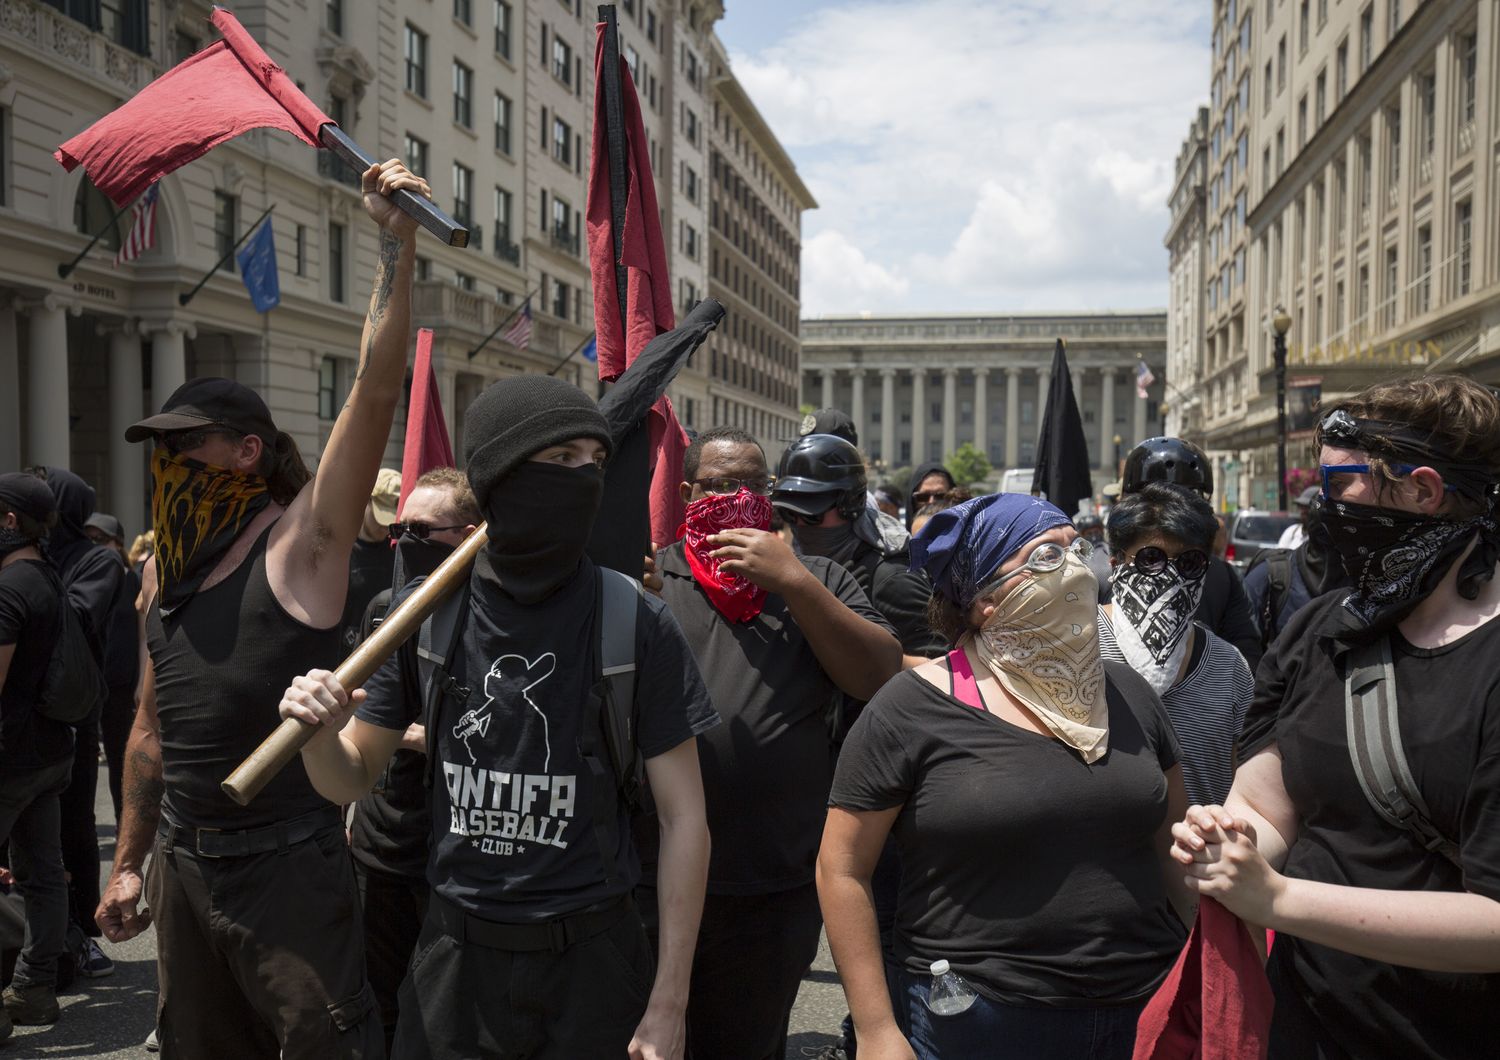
1222,861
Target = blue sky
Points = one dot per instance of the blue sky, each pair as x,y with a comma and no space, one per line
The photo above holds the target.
990,156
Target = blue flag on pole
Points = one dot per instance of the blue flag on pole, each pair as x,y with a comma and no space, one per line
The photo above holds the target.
591,349
257,260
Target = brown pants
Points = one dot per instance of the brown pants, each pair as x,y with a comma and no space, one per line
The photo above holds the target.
262,956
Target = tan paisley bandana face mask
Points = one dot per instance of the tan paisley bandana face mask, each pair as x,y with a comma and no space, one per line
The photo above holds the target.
1042,645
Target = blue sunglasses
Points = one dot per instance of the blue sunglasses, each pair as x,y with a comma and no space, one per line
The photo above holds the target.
1364,469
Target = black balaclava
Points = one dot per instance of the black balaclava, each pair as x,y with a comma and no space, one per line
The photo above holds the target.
27,495
67,543
921,471
539,515
1321,566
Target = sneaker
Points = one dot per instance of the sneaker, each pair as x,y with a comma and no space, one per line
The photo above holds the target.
30,1005
827,1052
152,1045
92,964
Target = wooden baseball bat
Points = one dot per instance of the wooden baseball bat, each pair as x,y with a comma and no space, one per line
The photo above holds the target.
288,738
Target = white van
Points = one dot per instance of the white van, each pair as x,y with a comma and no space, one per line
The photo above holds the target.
1017,480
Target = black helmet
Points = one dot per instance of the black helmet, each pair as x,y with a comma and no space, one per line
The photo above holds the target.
1088,522
1167,460
817,472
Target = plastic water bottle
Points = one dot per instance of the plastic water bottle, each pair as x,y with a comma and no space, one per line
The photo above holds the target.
950,994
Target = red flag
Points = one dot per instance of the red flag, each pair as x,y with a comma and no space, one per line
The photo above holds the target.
623,333
427,443
226,89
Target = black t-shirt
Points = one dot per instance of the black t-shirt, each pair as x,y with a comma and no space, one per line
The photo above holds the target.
513,803
1449,708
31,601
766,770
371,565
1034,874
901,595
1226,610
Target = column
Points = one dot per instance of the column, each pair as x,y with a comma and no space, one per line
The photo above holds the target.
827,389
1140,419
10,389
1107,420
950,410
1043,385
918,416
127,471
888,416
1012,416
168,359
47,440
1076,375
857,400
982,410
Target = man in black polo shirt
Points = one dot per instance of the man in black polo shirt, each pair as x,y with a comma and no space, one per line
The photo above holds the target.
776,636
533,946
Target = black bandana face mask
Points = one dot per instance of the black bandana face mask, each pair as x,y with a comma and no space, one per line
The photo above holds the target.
837,543
1395,559
12,540
540,517
197,510
1159,607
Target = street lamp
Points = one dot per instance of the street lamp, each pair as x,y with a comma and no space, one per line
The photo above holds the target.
1280,322
1118,442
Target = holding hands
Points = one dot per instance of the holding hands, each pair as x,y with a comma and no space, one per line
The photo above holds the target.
1222,861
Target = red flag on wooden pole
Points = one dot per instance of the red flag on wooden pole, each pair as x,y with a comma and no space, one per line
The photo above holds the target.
427,442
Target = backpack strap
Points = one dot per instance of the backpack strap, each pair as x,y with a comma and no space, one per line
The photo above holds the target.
965,684
1374,734
619,606
438,643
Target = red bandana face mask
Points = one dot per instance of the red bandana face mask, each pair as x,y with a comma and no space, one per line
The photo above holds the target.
736,598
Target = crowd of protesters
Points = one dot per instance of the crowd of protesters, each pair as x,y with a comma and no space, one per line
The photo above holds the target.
999,754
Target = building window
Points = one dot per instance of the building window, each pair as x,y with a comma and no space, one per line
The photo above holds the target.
336,290
1463,234
463,193
560,293
464,281
1366,176
690,124
562,141
1337,332
1281,63
328,388
690,182
463,95
1320,99
1393,144
1366,37
1302,123
1427,100
1322,13
416,61
690,241
1362,303
424,268
1388,296
1341,71
1304,26
502,123
502,29
183,45
93,213
301,250
416,155
1422,289
562,61
463,10
226,226
333,16
1394,26
1265,105
1468,77
502,217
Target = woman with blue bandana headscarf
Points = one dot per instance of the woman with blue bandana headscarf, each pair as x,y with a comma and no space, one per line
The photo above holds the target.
1030,787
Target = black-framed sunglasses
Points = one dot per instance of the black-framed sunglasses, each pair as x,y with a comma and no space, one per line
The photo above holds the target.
178,442
1190,565
421,531
728,487
800,518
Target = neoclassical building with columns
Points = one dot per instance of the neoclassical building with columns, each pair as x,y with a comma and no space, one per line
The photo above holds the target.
919,386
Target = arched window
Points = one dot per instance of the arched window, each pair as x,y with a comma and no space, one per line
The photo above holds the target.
92,212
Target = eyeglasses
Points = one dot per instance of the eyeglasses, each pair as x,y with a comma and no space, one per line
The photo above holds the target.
1045,558
1190,565
727,487
803,519
920,499
178,442
421,531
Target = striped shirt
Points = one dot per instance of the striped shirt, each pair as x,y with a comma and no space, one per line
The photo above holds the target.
1206,708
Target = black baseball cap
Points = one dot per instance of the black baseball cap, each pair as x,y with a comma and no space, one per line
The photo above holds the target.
830,421
209,402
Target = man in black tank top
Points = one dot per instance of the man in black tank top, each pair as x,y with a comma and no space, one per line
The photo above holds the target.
258,930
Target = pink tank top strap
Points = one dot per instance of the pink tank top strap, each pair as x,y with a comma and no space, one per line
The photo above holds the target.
965,685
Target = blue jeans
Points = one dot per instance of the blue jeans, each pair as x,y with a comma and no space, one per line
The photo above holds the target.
31,819
988,1028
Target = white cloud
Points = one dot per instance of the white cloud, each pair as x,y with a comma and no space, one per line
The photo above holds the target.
984,156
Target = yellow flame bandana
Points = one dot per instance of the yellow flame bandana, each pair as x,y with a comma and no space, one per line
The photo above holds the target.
197,510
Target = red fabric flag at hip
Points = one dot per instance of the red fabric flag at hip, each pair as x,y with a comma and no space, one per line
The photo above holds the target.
226,89
427,443
1215,1003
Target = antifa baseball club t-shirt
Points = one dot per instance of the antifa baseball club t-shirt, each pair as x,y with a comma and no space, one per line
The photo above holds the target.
513,802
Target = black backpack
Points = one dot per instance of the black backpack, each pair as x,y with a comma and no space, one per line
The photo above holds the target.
74,683
1278,564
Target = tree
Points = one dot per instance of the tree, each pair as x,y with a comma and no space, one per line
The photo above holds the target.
967,465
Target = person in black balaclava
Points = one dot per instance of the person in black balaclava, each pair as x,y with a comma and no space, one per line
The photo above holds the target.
96,584
532,858
928,481
1280,582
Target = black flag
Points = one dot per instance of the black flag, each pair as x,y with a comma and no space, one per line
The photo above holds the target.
1062,451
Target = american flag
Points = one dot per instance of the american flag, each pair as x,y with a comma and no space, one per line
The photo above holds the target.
519,332
1143,379
142,235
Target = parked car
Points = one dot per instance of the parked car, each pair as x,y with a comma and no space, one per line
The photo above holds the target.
1250,531
1017,480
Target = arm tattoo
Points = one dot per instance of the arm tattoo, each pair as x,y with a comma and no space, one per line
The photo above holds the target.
144,786
385,280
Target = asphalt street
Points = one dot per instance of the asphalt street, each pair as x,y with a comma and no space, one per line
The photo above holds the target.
110,1017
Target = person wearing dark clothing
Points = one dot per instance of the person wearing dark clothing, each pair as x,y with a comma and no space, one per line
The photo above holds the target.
388,836
36,753
372,562
533,945
777,636
1225,610
97,590
1281,582
259,939
122,658
1385,920
928,482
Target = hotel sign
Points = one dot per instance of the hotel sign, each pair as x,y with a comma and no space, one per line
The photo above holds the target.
1392,354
